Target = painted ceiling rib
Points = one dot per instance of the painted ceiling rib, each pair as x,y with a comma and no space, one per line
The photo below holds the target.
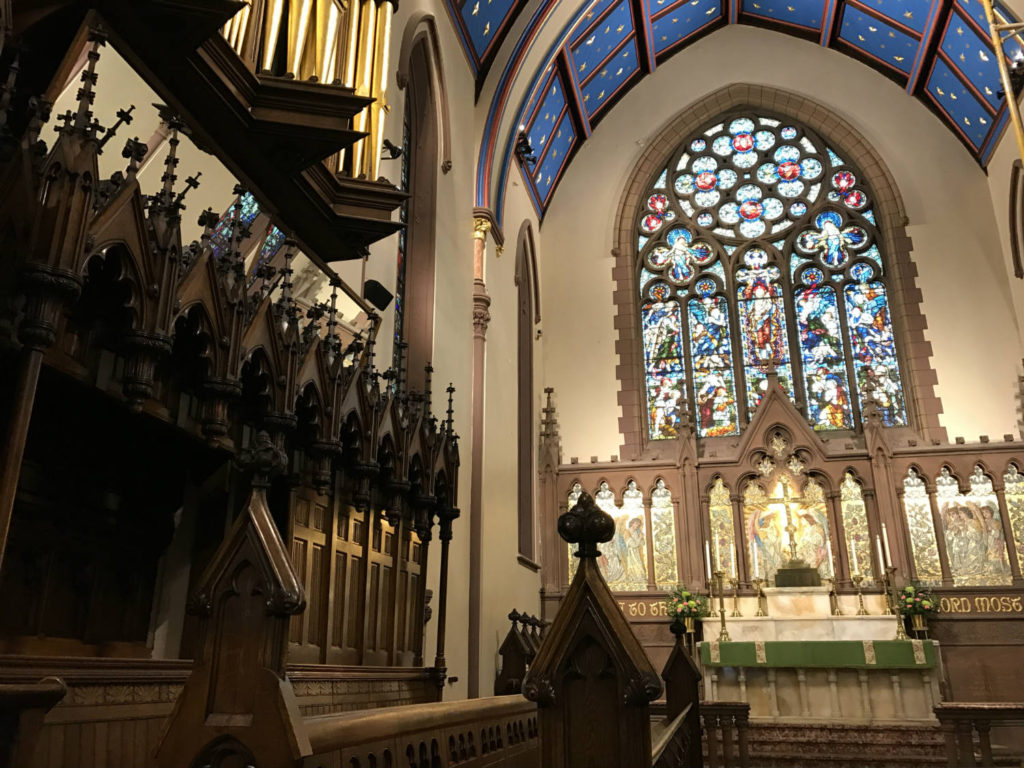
936,49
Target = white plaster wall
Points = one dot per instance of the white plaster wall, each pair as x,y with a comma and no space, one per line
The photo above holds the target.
971,320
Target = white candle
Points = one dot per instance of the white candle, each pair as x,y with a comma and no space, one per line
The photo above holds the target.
885,540
734,559
707,557
831,564
753,550
881,557
718,555
853,557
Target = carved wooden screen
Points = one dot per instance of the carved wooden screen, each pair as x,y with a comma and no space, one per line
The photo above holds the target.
408,599
377,640
311,525
757,247
348,586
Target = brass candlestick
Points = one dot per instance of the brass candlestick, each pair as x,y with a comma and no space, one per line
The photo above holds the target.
887,572
901,632
758,583
723,636
713,613
857,579
735,597
833,598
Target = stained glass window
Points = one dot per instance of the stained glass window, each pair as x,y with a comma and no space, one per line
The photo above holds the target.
917,507
761,235
1013,483
224,232
855,527
623,560
973,529
723,538
664,528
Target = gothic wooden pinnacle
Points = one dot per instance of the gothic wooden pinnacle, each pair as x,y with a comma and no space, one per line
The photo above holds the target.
586,524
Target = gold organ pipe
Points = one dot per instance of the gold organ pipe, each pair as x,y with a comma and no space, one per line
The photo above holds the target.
344,41
298,28
1004,75
271,30
379,109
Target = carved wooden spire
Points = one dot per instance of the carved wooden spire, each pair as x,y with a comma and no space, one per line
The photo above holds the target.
238,689
590,666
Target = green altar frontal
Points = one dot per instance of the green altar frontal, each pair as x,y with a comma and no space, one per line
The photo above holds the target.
832,654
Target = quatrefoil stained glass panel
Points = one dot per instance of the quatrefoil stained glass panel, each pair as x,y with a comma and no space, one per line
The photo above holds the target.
758,251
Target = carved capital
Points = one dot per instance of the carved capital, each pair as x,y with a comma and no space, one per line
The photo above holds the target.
481,315
481,227
142,352
47,291
641,689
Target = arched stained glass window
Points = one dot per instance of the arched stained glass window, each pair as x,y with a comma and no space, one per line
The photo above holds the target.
758,250
1013,482
663,524
973,529
855,527
917,508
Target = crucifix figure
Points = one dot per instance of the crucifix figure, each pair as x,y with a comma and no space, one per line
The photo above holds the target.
790,526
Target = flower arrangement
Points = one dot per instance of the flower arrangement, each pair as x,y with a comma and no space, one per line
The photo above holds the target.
916,600
683,605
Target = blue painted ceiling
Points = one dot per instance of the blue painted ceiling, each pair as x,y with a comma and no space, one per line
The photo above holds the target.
938,50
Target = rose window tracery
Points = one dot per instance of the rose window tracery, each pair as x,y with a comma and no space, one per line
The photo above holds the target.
758,250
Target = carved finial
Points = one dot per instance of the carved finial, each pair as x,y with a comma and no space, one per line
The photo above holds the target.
428,374
263,459
371,343
400,379
171,161
548,421
514,616
124,117
586,524
286,303
333,342
7,141
83,122
449,422
134,151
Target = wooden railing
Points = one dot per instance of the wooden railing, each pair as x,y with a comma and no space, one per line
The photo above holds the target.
22,708
960,721
478,732
725,728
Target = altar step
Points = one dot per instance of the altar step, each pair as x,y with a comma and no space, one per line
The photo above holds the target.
814,745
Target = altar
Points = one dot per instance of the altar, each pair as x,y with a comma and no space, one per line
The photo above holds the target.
802,663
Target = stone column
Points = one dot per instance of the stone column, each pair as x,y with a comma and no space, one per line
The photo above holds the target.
481,318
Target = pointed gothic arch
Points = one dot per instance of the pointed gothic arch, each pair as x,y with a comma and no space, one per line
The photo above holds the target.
528,315
922,405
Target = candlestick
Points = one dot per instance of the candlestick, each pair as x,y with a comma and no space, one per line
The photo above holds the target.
713,612
833,598
735,596
857,579
723,636
881,555
885,540
707,558
757,582
901,632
